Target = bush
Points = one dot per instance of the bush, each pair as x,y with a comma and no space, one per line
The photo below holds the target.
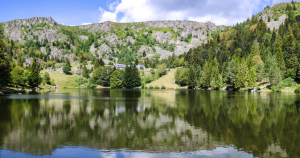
66,69
151,87
156,87
163,87
288,82
297,90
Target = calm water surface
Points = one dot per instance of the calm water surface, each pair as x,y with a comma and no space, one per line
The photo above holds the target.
150,123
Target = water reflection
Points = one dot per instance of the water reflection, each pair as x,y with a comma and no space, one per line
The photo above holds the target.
171,121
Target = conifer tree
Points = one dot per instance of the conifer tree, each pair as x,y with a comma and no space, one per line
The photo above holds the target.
67,63
4,64
252,77
101,62
85,73
97,64
136,61
20,62
240,74
135,75
192,78
35,74
279,58
128,77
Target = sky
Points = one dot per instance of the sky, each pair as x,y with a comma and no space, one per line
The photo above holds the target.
80,12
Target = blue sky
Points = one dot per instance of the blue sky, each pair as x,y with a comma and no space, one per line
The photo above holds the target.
77,12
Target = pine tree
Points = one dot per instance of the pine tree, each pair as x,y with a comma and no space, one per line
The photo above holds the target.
4,64
101,62
252,77
192,78
20,62
97,64
279,58
67,63
240,74
255,49
135,75
136,61
127,77
35,74
85,73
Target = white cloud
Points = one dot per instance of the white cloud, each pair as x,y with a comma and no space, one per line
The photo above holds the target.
86,23
227,12
107,16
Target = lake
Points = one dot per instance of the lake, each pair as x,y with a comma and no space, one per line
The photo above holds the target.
149,123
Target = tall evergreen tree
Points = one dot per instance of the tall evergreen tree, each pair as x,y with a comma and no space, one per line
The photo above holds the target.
279,58
252,77
240,74
85,73
4,64
35,74
101,62
127,82
20,62
135,75
97,64
192,79
67,63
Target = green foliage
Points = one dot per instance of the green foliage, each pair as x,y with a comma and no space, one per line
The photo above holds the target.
66,69
67,63
240,74
297,90
17,76
156,87
4,64
162,69
288,82
131,77
163,87
85,72
46,78
35,79
116,79
182,76
252,77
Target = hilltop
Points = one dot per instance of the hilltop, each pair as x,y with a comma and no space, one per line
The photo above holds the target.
112,41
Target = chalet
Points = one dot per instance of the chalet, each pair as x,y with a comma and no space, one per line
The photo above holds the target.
122,66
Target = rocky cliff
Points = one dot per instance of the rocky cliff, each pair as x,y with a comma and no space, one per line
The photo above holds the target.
167,37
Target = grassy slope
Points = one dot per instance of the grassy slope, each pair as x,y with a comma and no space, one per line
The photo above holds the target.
62,80
167,80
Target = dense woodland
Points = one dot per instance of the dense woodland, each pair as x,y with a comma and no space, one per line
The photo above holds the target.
242,57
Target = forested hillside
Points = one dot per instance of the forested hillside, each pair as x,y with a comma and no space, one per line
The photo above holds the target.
250,52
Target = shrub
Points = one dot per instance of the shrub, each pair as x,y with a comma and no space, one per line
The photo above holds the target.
297,90
288,82
156,87
163,87
66,69
151,87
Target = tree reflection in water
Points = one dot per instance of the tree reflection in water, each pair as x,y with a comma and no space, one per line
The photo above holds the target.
262,124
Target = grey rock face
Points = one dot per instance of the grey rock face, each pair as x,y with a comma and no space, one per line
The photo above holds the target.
147,49
164,53
25,29
275,24
162,37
